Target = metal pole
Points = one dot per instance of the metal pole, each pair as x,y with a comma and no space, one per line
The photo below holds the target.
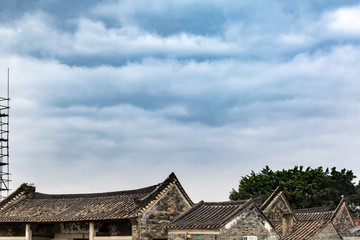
8,131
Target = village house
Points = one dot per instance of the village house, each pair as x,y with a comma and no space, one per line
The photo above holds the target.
253,220
164,211
124,215
223,220
312,223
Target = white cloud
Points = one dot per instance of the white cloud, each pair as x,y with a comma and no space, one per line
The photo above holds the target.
316,124
345,21
94,38
296,39
34,34
210,121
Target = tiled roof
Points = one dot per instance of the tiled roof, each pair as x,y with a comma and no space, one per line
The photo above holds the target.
311,210
302,229
313,214
38,207
210,215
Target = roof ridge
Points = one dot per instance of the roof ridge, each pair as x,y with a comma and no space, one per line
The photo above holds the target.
101,194
304,210
270,198
246,204
227,202
337,208
13,196
163,185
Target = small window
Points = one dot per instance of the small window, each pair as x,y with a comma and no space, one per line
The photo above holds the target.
250,238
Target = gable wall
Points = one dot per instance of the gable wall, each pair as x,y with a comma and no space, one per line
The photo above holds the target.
250,223
274,212
170,206
343,221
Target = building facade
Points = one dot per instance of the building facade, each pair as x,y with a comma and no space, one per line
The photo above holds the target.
124,215
223,221
164,211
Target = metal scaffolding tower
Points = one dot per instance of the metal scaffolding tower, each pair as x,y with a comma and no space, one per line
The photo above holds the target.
4,144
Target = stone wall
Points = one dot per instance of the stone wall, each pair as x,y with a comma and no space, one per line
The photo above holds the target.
169,207
343,221
249,223
182,236
277,209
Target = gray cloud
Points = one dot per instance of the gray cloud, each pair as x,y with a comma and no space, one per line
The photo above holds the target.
114,89
92,42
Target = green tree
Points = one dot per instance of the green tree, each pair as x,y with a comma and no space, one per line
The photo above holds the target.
304,188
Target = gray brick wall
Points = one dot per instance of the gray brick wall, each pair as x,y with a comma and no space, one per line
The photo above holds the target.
169,207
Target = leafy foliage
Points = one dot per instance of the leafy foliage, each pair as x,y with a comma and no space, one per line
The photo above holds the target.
304,188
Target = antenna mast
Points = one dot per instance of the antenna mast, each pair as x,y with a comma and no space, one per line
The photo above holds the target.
4,141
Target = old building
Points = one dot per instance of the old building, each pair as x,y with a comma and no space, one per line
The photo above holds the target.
124,215
253,220
164,211
312,223
223,220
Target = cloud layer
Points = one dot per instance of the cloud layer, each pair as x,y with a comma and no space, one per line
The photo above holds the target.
115,95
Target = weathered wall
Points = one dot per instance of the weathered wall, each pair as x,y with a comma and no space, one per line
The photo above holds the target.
181,236
328,233
249,223
277,208
169,207
343,221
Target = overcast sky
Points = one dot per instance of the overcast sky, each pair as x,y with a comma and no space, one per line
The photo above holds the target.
115,95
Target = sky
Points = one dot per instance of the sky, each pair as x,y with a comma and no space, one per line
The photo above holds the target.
115,95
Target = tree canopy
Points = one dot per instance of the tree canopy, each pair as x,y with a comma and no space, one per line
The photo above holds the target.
304,188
